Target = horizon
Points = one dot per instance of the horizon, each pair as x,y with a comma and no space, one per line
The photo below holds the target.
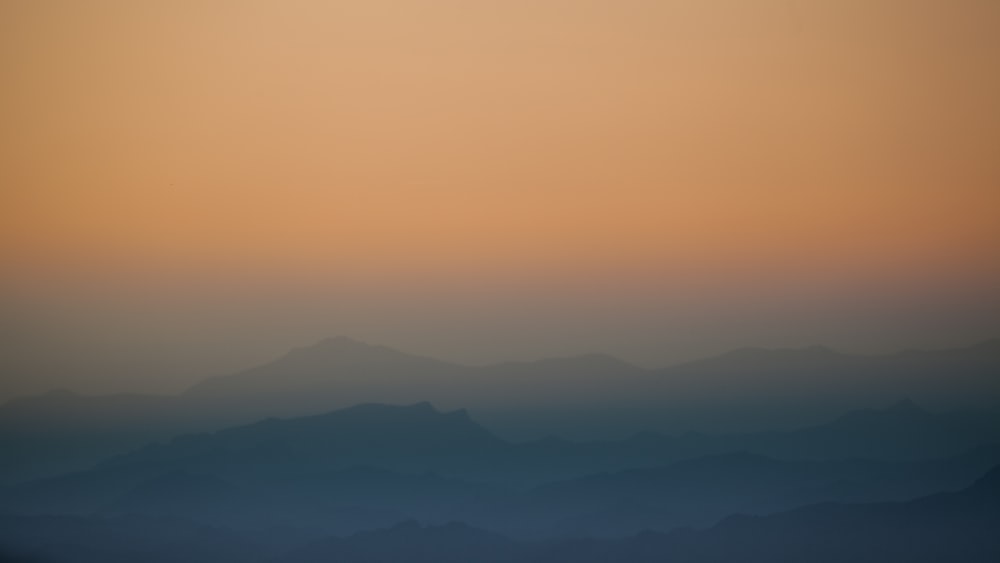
343,338
190,189
505,281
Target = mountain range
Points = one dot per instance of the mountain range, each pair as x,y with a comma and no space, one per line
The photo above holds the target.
371,465
344,451
951,526
585,397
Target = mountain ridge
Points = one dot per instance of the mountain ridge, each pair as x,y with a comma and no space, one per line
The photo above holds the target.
582,397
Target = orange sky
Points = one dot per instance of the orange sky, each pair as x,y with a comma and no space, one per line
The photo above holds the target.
621,146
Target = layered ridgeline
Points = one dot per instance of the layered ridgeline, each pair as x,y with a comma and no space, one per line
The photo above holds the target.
372,465
959,526
381,483
585,397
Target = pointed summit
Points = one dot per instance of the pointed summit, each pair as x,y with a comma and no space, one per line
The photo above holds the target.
341,341
335,345
334,371
424,406
331,351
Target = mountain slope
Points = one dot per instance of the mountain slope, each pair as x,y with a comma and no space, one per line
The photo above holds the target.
957,526
700,492
585,397
302,468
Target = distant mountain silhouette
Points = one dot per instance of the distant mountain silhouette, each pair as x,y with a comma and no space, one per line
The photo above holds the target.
206,498
901,431
76,539
414,437
333,371
381,464
63,431
791,383
376,460
411,542
340,372
272,490
957,526
700,492
583,397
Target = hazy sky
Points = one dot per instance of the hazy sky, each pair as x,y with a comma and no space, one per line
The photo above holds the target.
189,187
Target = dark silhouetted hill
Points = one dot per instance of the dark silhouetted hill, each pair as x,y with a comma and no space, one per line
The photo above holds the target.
700,492
901,431
74,539
358,468
957,526
335,371
371,465
409,542
583,397
411,438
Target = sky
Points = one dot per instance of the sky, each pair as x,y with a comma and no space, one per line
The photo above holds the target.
191,187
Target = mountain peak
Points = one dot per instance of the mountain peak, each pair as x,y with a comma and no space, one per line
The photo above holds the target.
336,343
344,349
341,340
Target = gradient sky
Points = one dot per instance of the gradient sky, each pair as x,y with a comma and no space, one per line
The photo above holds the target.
189,187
